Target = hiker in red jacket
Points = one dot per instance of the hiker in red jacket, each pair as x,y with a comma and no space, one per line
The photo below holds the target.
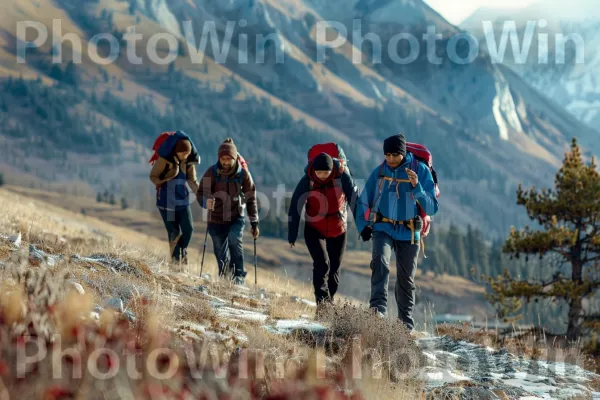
326,189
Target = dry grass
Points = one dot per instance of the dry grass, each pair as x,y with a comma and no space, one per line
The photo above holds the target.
286,308
464,332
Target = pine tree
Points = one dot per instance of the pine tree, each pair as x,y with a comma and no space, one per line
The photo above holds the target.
112,200
1,179
456,246
569,217
99,197
124,204
70,75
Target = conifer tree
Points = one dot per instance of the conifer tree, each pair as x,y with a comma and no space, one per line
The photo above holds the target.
569,235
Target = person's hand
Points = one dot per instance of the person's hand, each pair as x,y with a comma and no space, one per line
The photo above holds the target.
292,245
255,231
366,233
210,204
412,175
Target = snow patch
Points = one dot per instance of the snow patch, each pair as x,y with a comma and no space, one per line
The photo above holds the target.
165,17
236,313
440,376
287,326
504,109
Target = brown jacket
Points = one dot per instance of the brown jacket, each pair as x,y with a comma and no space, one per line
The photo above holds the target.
225,190
164,170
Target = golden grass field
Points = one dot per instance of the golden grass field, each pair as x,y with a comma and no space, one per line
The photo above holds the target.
175,304
276,261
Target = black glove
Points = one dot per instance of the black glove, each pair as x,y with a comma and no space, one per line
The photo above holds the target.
366,233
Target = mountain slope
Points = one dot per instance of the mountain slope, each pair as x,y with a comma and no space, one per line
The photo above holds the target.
487,129
572,83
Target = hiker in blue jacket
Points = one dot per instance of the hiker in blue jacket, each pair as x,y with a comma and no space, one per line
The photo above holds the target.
175,165
387,212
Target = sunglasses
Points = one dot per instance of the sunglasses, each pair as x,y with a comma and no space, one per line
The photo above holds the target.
392,154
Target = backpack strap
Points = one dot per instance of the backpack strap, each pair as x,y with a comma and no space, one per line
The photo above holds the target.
238,179
375,209
415,167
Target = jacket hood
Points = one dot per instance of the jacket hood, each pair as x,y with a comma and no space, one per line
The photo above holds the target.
167,148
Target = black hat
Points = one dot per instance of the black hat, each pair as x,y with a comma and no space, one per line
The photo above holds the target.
395,144
323,162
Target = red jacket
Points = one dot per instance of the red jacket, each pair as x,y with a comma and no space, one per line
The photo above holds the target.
325,202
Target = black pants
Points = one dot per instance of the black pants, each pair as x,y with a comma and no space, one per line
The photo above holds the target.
179,224
407,256
327,255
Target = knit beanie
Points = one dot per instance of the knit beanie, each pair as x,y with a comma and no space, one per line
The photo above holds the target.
323,162
228,148
183,146
395,144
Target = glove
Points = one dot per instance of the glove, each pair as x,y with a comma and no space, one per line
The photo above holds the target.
366,233
255,231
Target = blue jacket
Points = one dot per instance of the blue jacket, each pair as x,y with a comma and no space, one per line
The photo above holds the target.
397,200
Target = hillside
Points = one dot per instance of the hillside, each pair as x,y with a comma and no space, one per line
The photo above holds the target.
82,121
97,295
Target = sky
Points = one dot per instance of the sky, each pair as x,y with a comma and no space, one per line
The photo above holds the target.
456,11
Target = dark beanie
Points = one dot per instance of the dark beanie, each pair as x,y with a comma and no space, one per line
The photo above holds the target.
395,144
323,162
228,148
183,146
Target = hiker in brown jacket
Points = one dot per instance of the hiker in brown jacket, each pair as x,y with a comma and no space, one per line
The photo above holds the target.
174,166
227,190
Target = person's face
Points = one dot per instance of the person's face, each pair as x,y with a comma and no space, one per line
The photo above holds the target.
394,159
322,175
226,162
183,156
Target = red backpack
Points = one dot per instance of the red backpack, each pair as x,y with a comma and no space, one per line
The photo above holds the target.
420,153
333,149
157,143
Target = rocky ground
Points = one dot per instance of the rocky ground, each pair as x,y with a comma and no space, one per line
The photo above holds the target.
276,324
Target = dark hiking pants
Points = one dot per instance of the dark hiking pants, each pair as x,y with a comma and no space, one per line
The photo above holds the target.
406,268
228,246
178,223
327,255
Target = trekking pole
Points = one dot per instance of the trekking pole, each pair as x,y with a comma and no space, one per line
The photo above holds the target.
205,239
255,262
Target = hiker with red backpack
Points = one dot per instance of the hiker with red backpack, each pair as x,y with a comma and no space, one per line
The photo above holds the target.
227,190
326,189
174,164
399,197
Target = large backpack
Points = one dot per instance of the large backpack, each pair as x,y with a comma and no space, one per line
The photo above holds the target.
157,143
420,153
333,149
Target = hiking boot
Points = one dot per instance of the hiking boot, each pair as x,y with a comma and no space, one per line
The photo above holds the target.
184,257
377,313
176,265
238,280
321,310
